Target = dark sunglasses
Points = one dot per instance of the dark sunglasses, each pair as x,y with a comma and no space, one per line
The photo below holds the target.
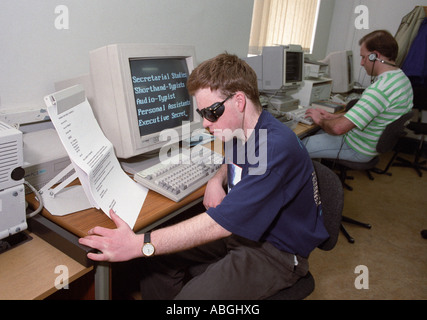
215,111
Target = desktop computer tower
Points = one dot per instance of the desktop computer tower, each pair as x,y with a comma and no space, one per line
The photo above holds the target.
12,211
12,191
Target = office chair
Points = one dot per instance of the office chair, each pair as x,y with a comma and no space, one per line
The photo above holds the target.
419,128
388,140
332,197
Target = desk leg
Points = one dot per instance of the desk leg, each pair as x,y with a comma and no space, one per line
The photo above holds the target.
102,270
102,281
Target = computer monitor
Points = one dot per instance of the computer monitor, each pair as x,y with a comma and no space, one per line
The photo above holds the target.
279,68
341,70
138,91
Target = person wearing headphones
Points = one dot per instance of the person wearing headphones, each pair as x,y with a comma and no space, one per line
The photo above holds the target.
354,135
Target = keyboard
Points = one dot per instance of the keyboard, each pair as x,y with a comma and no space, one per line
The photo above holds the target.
299,115
181,174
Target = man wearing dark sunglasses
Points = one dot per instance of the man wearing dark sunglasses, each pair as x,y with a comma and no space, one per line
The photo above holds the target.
213,112
259,226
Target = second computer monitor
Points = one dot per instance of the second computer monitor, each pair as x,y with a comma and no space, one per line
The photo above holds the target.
283,67
279,68
341,70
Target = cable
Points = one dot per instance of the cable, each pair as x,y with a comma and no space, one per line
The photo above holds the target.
342,144
38,196
372,73
272,96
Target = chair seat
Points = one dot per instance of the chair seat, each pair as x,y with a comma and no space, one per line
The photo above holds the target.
359,165
418,127
300,290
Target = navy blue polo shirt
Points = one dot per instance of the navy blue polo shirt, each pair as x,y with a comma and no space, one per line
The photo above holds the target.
272,190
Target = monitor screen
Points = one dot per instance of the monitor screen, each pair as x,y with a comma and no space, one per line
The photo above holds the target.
161,97
294,61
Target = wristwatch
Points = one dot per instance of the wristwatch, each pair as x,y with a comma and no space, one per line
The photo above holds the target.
147,248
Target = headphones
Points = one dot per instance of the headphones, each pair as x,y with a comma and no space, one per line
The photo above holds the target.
374,57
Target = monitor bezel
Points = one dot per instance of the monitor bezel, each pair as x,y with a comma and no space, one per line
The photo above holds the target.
110,70
340,63
274,69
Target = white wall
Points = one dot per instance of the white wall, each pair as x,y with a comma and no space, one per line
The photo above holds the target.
323,29
34,54
383,14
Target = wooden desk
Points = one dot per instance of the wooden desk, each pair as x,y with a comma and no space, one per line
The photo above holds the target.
156,209
27,272
302,130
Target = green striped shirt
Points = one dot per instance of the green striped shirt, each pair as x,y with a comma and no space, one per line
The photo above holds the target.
381,103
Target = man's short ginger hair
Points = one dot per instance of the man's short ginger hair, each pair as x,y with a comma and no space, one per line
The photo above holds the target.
226,73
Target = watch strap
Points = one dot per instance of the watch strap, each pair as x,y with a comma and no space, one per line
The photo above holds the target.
147,237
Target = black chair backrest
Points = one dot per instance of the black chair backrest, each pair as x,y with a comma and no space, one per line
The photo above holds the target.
332,198
393,132
420,97
350,104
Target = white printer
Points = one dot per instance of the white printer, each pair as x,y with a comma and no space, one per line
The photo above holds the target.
12,190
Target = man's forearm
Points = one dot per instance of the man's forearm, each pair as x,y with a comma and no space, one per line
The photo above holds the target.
188,234
337,125
193,232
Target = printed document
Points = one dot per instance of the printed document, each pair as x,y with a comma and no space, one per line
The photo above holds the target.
105,183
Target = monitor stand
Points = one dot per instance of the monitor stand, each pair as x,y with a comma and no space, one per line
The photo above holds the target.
282,103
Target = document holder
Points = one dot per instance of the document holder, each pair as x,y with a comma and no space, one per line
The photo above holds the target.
59,198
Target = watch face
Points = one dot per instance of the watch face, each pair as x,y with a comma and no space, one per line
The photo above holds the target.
148,249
